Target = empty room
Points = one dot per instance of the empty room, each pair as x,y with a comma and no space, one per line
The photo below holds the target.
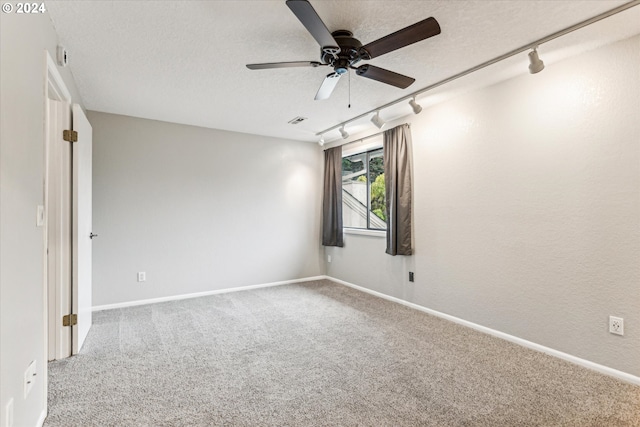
320,213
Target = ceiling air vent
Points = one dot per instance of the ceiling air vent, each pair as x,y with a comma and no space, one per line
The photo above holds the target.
297,120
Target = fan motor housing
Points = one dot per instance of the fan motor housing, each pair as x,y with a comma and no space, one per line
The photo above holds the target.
349,51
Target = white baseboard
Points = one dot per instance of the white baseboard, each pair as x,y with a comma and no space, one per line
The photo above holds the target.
202,294
624,376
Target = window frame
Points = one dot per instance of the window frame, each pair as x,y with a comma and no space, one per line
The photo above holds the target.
367,150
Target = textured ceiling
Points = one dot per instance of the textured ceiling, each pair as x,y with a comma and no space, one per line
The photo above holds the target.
184,61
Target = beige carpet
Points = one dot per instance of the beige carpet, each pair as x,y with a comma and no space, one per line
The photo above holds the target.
317,354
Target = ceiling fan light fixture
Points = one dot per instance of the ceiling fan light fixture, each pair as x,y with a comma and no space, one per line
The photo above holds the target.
343,132
377,120
535,63
415,106
341,51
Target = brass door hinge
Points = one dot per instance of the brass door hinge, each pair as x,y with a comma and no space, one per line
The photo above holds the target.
70,320
70,135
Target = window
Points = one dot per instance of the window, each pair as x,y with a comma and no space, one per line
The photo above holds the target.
363,194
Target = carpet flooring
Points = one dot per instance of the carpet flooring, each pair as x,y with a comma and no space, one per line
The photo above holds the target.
317,354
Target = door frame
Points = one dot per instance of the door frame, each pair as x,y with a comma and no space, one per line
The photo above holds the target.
54,89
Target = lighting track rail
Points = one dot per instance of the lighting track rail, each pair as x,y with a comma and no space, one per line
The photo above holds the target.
514,52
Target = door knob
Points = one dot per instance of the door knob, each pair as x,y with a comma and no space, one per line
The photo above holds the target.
91,236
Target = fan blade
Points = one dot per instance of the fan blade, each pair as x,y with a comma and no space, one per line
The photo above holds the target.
384,76
312,22
283,65
409,35
327,86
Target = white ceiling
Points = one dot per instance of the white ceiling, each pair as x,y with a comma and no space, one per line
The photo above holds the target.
184,61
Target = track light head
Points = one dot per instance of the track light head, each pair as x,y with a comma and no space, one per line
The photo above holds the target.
416,107
377,120
344,133
535,63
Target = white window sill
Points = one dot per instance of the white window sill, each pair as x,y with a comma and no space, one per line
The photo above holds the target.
363,232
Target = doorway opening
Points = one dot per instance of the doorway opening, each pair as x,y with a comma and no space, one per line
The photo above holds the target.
57,201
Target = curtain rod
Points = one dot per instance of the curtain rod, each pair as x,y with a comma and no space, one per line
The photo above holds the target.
514,52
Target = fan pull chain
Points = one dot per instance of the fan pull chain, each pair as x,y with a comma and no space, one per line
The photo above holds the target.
349,72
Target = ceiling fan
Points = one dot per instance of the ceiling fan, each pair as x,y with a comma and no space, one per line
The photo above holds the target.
342,51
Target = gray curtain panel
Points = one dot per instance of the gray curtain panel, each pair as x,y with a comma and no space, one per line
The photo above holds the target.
397,175
332,198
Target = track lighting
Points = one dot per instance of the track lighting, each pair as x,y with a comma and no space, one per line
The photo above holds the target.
416,107
535,63
377,120
344,133
321,142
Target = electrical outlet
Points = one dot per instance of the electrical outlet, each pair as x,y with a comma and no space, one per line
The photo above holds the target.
616,325
411,276
142,276
8,422
29,378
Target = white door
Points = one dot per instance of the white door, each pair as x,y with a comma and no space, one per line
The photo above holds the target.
82,233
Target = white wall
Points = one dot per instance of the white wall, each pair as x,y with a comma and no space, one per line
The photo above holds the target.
527,209
24,39
199,209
